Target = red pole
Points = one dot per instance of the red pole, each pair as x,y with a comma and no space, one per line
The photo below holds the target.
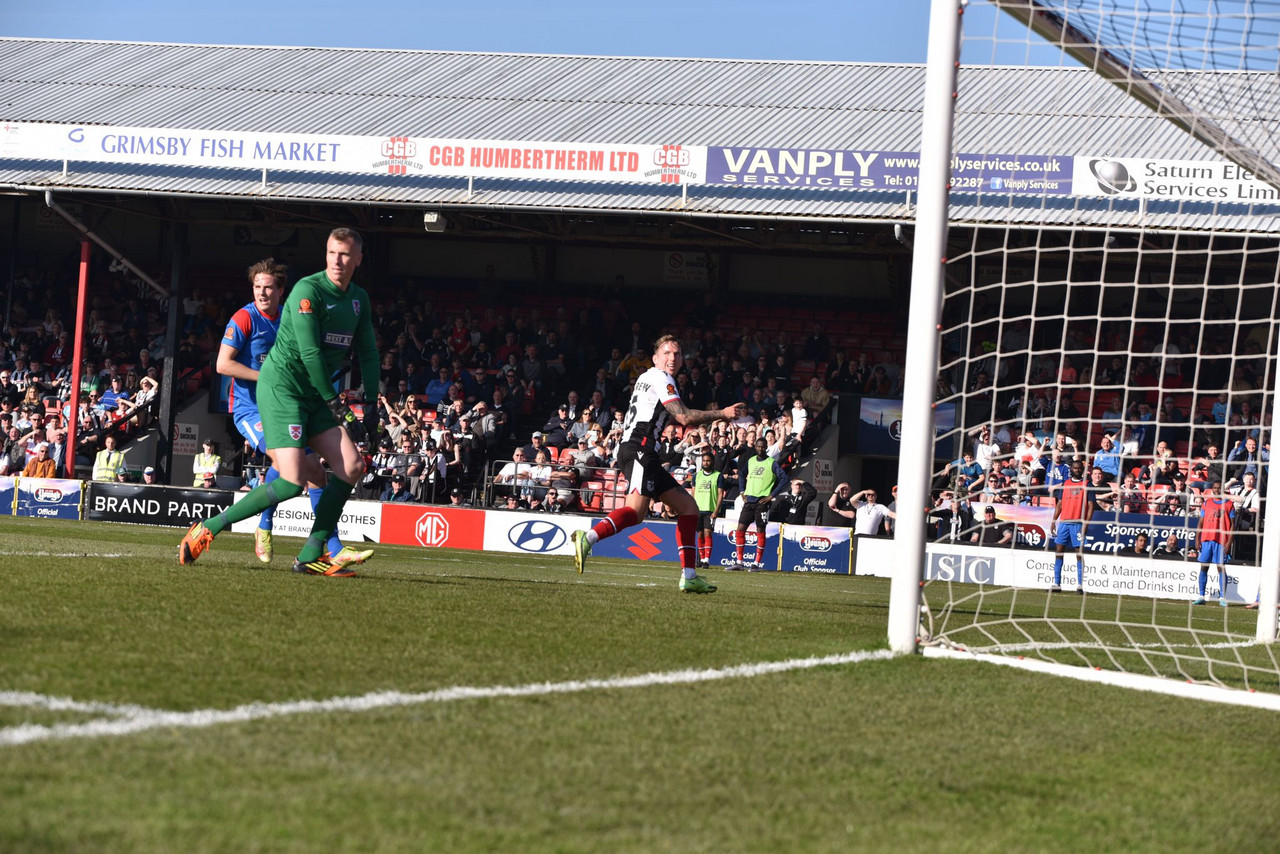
77,362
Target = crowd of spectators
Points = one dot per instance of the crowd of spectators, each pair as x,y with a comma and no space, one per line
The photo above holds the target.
461,386
996,469
1156,411
120,368
538,400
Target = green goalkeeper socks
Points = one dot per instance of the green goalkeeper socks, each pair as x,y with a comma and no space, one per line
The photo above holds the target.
328,512
258,499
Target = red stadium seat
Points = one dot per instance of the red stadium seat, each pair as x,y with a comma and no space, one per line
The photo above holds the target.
1154,493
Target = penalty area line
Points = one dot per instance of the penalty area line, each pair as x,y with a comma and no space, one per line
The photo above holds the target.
128,720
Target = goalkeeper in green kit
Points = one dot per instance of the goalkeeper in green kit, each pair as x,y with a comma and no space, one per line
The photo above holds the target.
324,317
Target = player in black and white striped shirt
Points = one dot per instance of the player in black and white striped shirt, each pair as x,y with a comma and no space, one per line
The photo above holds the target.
654,403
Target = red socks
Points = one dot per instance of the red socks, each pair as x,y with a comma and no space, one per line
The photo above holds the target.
686,535
618,519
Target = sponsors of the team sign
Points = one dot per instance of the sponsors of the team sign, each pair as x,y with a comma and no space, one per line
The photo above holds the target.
361,520
147,504
812,548
8,494
49,498
531,533
432,527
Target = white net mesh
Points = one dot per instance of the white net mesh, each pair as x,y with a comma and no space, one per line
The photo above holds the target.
1121,311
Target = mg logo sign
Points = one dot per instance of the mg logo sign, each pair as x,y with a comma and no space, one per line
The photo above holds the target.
431,530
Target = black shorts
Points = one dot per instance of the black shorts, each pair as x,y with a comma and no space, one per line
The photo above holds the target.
706,520
643,471
754,511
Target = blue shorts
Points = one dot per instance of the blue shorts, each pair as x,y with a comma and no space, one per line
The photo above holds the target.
1068,534
1214,553
249,424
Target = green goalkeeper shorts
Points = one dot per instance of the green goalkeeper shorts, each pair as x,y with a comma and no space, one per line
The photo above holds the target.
289,420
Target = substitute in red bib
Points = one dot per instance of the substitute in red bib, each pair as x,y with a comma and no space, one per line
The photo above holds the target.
654,403
1215,540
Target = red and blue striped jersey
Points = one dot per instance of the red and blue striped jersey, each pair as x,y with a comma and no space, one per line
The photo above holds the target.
252,334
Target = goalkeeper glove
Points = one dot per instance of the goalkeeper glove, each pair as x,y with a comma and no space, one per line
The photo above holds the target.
347,419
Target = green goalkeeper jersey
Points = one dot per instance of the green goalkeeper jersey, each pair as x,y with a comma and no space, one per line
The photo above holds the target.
318,325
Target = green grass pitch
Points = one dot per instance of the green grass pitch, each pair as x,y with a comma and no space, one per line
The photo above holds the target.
904,754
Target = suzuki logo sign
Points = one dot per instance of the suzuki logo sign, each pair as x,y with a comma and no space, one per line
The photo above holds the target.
431,530
645,544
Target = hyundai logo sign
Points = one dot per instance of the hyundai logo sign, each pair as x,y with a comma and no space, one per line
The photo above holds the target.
537,536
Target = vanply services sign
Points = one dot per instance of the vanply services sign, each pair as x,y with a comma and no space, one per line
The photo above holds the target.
853,169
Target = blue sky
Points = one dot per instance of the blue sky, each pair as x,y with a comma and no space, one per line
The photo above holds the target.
836,30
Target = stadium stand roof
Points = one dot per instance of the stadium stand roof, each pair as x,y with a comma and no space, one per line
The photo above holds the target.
581,99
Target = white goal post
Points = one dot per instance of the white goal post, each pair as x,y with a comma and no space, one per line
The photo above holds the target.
1101,234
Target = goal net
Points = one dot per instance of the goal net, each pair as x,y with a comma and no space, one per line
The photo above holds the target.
1108,297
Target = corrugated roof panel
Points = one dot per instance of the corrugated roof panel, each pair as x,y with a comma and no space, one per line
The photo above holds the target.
588,99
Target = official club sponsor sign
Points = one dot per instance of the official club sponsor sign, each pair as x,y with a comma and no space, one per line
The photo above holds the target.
146,504
49,498
361,520
813,548
531,533
432,527
724,554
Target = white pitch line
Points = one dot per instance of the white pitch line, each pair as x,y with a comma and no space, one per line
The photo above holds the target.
61,554
1133,681
129,720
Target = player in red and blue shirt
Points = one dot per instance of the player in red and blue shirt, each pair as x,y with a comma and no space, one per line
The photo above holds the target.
248,337
1073,511
247,340
1215,539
